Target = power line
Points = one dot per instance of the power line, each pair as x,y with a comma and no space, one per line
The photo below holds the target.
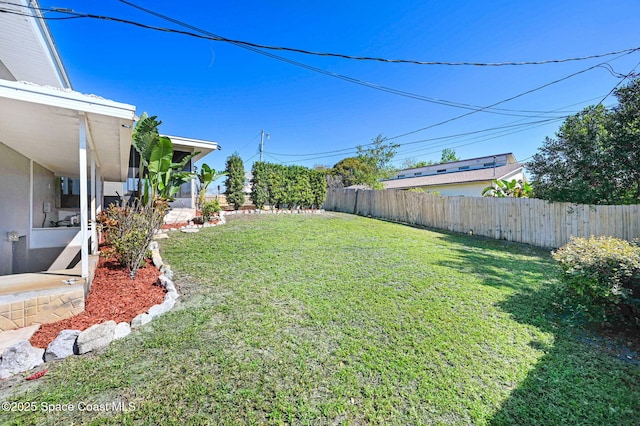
631,73
250,46
253,46
249,143
402,61
256,47
429,149
477,139
432,139
474,142
508,99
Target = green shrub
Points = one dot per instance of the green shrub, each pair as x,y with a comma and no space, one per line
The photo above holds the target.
209,209
603,277
128,231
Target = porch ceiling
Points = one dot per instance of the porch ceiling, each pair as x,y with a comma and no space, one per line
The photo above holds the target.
43,124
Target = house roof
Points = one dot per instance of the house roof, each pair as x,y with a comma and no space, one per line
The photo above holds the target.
478,175
205,147
43,124
27,49
508,157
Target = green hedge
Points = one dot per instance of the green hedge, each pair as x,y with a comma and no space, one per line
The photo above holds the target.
287,186
603,277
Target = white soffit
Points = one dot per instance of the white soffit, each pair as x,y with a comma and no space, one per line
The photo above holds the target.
193,145
42,123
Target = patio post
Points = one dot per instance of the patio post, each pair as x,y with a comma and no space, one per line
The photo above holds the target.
84,231
94,187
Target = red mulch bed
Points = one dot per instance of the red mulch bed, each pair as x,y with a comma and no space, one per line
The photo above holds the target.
179,225
113,296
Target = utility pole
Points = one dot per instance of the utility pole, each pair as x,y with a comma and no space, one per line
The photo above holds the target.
262,133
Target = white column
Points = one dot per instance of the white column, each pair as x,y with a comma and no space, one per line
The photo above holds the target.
193,192
94,188
99,206
84,231
99,189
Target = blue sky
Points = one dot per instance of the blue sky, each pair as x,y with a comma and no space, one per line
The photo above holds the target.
217,91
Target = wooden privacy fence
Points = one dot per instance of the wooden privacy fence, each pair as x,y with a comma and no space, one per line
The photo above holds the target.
525,220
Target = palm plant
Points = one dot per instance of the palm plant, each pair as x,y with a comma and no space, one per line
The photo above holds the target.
161,177
206,176
503,188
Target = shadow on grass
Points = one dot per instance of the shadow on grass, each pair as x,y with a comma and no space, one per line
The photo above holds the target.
577,381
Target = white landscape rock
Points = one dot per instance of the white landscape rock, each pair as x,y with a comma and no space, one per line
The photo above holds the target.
162,308
141,320
96,337
166,272
123,329
155,258
63,346
20,357
171,295
189,230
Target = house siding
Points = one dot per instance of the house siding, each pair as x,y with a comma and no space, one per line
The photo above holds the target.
14,208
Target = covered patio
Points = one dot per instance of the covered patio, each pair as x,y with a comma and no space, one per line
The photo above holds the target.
57,147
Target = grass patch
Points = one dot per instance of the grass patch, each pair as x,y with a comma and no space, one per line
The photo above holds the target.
341,319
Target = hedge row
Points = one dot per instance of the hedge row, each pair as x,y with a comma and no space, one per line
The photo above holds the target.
287,186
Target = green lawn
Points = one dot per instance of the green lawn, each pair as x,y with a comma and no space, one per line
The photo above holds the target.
339,319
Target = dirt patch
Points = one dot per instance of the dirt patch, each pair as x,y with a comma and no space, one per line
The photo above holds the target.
113,296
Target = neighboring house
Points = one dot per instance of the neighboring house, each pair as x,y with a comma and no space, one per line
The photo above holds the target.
465,177
57,149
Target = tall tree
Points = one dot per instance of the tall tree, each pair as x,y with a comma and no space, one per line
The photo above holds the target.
595,157
576,165
449,155
378,156
626,138
411,163
351,170
235,181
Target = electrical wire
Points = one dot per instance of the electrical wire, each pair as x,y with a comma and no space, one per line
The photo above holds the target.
631,73
506,100
315,53
210,36
386,60
256,47
249,143
432,139
431,149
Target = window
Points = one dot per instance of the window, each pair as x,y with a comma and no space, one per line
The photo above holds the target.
489,164
69,193
441,170
418,173
463,168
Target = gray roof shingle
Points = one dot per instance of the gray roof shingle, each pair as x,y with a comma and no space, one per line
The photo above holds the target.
450,178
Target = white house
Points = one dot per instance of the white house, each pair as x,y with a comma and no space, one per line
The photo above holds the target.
58,147
465,177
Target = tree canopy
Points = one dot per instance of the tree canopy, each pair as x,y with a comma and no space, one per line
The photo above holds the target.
448,156
595,155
